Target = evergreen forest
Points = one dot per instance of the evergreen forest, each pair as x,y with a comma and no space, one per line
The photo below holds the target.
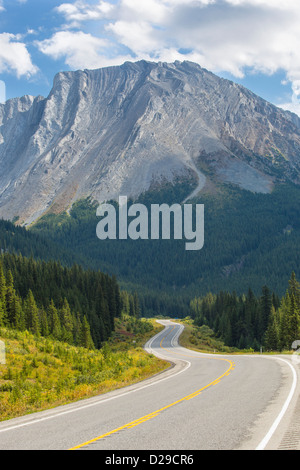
250,240
240,284
252,322
68,304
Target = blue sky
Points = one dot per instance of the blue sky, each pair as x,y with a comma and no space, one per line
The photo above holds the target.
252,42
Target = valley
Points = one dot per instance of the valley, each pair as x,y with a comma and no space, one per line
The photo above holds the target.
80,296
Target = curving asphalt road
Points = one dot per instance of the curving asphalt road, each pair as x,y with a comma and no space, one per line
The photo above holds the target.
202,402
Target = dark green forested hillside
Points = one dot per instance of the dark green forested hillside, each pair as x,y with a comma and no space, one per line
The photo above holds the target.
249,321
69,304
16,239
250,240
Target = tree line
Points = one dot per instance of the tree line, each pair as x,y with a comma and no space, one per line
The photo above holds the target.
249,321
68,304
164,274
234,257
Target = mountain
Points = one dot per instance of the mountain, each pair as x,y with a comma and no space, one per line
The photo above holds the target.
129,129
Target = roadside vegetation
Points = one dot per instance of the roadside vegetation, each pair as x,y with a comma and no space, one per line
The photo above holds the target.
41,373
202,338
250,322
205,340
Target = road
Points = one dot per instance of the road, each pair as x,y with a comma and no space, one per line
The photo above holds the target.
200,185
202,402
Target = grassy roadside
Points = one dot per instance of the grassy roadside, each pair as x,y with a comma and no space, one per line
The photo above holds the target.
203,339
40,373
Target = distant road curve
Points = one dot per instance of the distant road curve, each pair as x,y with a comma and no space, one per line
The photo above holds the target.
202,402
200,185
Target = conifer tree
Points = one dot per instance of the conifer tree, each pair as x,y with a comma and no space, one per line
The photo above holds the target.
27,286
2,288
125,302
11,313
54,321
272,332
265,311
228,332
77,330
137,310
1,314
103,314
283,313
19,314
131,306
66,322
44,323
32,314
294,288
86,339
293,322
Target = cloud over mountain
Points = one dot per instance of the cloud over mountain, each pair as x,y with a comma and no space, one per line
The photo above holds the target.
220,35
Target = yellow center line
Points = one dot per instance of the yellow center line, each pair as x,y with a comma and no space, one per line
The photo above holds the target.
157,412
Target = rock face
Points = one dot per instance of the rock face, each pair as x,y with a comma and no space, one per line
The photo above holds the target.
121,130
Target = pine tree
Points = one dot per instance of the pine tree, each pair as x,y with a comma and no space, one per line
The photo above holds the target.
32,314
44,323
53,321
103,314
1,314
265,311
2,291
294,288
86,339
137,310
125,302
228,333
11,313
272,332
293,320
19,314
283,312
67,323
77,330
131,306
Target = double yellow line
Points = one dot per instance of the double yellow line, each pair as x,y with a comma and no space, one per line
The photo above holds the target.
152,415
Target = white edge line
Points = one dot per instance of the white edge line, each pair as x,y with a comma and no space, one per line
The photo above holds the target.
261,446
274,426
100,401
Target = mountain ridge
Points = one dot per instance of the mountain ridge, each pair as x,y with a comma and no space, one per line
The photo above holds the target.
127,129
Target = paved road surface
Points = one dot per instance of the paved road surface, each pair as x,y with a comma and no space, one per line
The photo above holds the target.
203,402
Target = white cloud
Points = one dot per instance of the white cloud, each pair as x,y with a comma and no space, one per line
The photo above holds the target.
81,11
31,31
294,104
279,4
294,107
221,35
79,49
14,56
227,34
137,36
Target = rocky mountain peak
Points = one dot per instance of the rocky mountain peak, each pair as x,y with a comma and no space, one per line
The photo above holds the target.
125,129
